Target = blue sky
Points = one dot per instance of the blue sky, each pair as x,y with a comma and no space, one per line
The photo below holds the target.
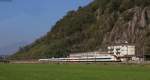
27,20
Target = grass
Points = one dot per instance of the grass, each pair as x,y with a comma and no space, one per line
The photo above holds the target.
73,72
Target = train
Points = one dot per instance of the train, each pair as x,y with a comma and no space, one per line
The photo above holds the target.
101,58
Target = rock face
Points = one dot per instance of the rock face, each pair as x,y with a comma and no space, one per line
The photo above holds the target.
94,26
130,26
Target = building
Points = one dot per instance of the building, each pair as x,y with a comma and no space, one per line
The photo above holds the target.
123,51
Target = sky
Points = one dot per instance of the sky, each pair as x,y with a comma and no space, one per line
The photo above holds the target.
27,20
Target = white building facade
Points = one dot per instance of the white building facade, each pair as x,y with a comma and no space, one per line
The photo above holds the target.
122,50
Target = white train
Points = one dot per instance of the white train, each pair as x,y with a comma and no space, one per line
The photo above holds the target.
90,57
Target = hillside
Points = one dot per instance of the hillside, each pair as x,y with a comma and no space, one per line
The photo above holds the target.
92,27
